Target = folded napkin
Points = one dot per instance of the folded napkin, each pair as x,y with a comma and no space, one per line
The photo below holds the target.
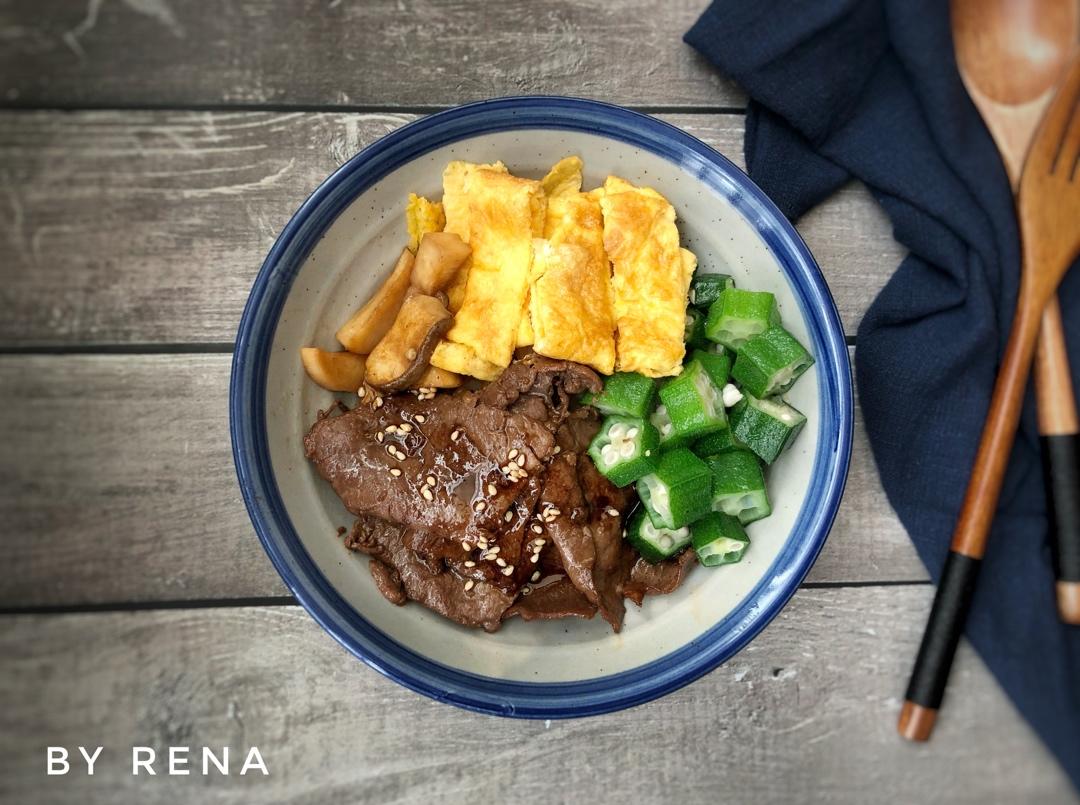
869,89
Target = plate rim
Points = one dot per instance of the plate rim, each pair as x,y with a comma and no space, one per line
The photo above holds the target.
247,403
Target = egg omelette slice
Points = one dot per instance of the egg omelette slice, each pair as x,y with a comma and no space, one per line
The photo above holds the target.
571,302
504,214
563,178
650,278
422,216
455,205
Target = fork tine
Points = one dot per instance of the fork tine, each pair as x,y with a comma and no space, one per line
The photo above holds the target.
1056,124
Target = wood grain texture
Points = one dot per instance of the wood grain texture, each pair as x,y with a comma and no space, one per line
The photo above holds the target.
327,53
117,484
149,227
804,714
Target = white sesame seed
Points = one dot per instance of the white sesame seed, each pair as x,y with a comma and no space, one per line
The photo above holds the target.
512,454
395,472
455,435
482,544
360,392
526,590
611,511
492,489
508,516
466,546
390,449
479,506
496,549
430,480
426,492
379,437
421,418
469,585
378,402
489,556
500,561
534,558
427,390
648,452
399,455
521,461
508,571
470,563
537,529
556,451
405,427
535,576
390,429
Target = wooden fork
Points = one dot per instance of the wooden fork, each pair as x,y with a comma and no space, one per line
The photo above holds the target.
1048,206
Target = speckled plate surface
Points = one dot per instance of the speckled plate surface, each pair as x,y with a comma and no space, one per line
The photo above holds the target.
332,255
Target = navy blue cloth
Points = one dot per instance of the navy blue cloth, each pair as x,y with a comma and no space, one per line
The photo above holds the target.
869,89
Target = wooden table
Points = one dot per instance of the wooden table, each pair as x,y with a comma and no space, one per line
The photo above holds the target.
149,153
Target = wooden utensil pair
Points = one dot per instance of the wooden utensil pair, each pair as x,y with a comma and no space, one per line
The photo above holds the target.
1048,209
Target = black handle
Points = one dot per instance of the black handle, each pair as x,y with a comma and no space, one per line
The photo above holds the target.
943,630
1061,462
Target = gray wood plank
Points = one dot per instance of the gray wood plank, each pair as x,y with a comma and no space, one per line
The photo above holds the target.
387,52
149,227
117,484
807,713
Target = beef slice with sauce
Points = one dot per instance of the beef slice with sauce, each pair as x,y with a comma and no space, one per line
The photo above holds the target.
402,575
558,598
588,532
660,578
454,440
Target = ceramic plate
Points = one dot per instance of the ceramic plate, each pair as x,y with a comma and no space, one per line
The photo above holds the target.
334,253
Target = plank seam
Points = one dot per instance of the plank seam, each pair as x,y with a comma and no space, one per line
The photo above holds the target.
321,108
288,600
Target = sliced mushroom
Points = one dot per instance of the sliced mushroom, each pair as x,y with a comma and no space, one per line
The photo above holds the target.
336,371
370,323
436,378
438,259
404,352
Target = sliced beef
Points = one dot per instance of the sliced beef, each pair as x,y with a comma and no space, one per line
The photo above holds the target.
382,461
444,592
388,581
556,599
589,537
659,579
541,388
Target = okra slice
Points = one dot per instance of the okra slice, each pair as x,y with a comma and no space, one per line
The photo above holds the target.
767,427
719,539
694,403
624,394
624,449
714,444
706,289
737,316
717,365
655,544
668,437
769,363
679,491
739,486
694,333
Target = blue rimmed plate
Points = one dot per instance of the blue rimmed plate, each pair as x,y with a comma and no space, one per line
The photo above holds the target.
332,255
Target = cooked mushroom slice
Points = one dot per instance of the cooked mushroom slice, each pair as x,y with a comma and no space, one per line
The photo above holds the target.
336,371
403,354
438,259
370,323
436,378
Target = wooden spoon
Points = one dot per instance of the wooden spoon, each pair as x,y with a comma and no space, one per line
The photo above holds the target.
1048,206
1011,54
